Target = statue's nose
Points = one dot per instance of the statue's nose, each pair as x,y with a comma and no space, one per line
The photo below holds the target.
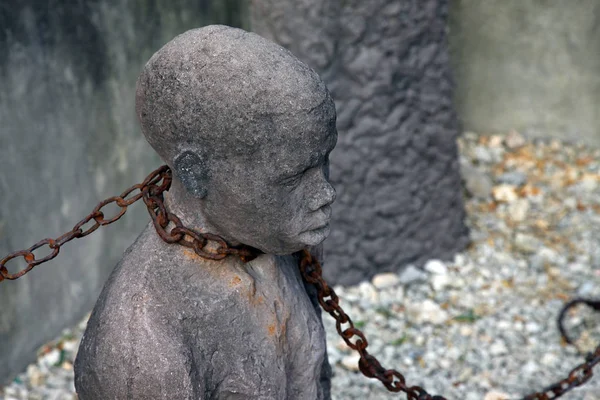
324,196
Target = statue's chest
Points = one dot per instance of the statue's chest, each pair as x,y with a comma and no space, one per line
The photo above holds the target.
271,339
283,314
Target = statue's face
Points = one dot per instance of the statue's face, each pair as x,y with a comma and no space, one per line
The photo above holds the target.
279,199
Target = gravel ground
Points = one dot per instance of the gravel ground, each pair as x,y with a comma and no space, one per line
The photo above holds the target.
482,326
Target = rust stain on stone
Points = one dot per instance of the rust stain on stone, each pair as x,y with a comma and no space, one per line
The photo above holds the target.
272,329
191,255
217,269
236,280
256,301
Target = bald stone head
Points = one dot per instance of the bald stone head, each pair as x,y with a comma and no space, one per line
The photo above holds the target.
247,129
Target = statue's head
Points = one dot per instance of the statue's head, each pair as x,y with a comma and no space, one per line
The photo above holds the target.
247,129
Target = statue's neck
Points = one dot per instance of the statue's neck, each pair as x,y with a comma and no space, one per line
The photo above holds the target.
190,210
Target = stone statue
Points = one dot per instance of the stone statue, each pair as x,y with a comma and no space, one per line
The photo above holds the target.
247,130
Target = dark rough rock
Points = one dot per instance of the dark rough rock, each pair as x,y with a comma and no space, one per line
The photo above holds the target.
395,166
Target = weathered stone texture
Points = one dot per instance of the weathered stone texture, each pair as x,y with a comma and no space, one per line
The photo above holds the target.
395,167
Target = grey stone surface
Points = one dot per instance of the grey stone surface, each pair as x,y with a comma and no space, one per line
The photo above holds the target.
533,66
395,166
247,129
68,139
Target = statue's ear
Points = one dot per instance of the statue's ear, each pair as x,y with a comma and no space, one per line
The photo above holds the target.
192,171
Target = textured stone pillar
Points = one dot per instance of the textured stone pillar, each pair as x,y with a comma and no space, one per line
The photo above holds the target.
395,166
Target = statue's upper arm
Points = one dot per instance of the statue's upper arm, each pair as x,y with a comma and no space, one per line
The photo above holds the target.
136,354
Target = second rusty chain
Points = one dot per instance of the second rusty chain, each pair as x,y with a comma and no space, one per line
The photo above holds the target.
393,380
152,194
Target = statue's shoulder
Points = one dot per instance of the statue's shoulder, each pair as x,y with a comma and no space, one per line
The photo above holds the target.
131,332
139,269
159,278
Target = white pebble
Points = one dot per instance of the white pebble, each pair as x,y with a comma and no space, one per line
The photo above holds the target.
70,345
426,311
385,280
368,292
51,358
518,210
530,368
547,254
526,243
514,140
436,267
505,193
459,259
504,325
549,359
36,377
412,274
532,327
497,348
440,282
466,330
494,395
341,345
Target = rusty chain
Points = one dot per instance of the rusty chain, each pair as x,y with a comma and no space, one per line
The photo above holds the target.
123,201
369,366
151,190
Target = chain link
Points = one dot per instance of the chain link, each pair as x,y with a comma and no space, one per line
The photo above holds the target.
171,230
199,242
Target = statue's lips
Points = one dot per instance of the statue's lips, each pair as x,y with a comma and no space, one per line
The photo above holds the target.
322,220
318,228
320,224
313,237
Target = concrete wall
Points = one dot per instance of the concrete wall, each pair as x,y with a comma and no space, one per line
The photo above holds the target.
395,166
531,65
68,139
